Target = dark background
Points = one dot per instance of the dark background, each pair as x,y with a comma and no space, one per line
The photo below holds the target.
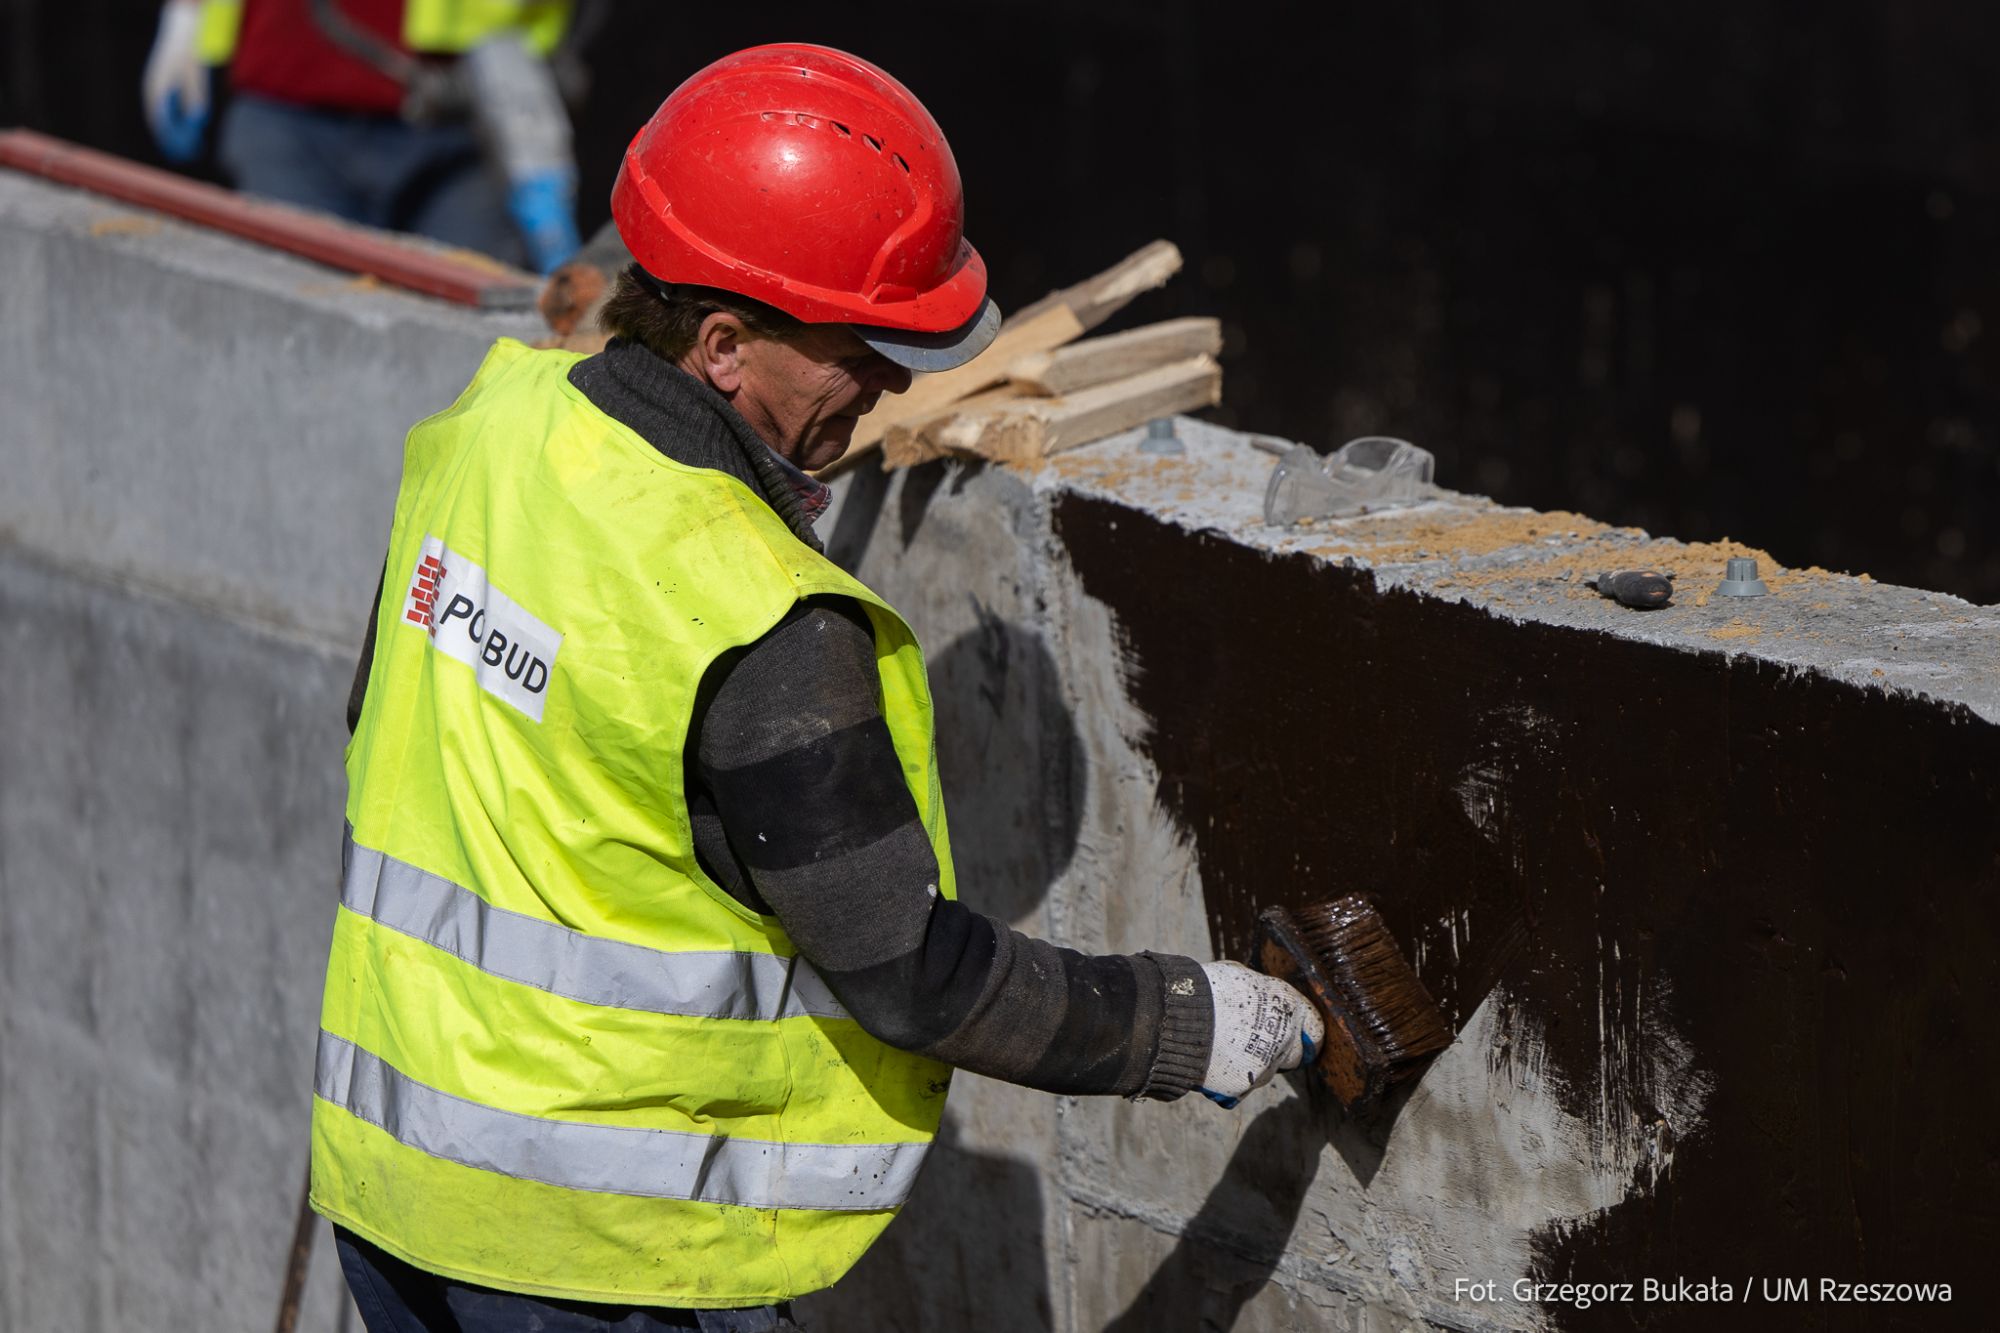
1712,269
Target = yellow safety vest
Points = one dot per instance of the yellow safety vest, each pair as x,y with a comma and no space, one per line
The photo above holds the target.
435,27
555,1057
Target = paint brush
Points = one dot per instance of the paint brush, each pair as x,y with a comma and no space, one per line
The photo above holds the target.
1382,1026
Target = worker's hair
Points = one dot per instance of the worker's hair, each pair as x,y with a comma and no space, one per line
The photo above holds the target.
665,317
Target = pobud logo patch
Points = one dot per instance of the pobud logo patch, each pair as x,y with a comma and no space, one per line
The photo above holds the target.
511,653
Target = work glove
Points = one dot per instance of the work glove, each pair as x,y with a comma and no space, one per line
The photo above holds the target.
1262,1025
175,84
543,206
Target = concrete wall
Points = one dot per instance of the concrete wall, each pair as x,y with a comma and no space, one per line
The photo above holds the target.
1707,891
201,442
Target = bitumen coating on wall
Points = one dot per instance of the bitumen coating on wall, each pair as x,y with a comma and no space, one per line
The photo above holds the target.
1525,565
1711,894
1707,892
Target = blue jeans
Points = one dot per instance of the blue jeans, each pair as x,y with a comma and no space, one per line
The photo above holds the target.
393,1297
380,170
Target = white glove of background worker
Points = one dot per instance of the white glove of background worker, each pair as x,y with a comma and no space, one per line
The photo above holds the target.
175,85
1262,1025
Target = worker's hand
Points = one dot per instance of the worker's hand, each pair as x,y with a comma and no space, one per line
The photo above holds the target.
1262,1025
175,85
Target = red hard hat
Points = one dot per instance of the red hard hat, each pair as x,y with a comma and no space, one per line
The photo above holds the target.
810,180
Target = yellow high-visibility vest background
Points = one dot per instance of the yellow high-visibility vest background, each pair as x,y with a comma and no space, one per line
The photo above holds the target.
555,1056
435,27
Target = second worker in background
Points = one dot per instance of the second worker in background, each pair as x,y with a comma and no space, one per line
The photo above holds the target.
439,117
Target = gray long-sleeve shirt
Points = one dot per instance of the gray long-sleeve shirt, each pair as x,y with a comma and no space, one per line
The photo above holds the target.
799,810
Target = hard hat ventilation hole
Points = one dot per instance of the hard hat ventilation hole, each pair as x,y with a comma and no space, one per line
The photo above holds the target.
872,142
897,158
838,126
810,122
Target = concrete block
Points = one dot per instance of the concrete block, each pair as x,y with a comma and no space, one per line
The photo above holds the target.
971,1249
1132,1277
955,549
207,417
169,851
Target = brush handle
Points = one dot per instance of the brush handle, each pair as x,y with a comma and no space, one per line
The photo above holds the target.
1348,1065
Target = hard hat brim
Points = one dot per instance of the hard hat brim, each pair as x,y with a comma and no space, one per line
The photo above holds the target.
927,353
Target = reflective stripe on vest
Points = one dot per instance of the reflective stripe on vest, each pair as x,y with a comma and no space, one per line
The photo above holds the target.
561,961
613,1159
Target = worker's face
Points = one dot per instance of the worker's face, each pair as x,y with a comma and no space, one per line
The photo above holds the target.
804,394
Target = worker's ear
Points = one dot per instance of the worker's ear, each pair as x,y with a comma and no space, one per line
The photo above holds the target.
717,353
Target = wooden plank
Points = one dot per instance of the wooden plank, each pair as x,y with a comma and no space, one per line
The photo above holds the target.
931,394
909,443
1052,328
574,296
1034,428
452,275
1057,318
1080,365
1098,298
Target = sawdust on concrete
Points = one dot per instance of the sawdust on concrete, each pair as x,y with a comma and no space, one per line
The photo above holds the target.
1470,544
126,224
360,282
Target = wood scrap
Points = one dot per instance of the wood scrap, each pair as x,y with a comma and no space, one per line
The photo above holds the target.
1034,428
1098,298
1052,328
1057,318
574,296
931,394
909,443
1079,365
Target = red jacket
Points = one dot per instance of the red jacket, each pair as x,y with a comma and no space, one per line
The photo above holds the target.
282,54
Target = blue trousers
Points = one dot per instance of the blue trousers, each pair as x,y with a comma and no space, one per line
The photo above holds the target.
380,170
394,1297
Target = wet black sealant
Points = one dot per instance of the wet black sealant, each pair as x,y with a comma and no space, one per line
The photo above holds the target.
1799,876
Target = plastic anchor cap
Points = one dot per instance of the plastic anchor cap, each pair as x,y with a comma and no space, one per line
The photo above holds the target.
1160,438
1739,579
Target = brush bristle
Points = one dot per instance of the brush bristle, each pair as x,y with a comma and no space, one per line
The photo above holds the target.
1354,949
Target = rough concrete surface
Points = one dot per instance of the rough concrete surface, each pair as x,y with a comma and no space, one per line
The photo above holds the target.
1707,892
195,414
1569,811
1537,1147
202,441
170,797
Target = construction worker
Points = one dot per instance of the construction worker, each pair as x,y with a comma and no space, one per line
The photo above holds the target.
649,973
440,117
